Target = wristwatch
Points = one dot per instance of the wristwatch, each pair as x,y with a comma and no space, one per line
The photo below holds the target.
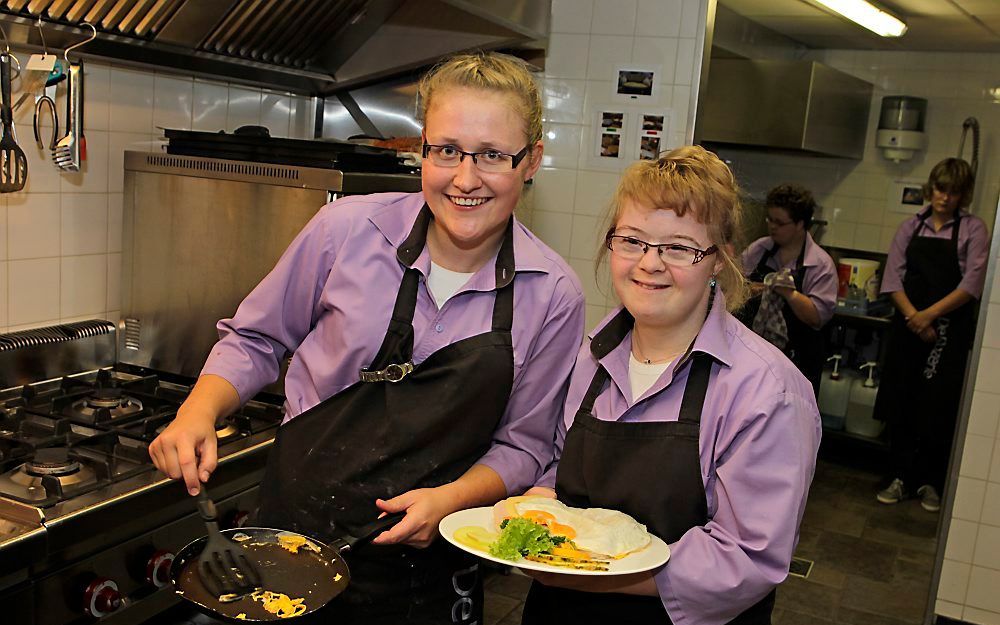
392,373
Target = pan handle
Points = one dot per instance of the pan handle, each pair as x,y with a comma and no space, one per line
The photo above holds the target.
370,531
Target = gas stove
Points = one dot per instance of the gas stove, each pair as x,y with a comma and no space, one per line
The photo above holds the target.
88,526
63,438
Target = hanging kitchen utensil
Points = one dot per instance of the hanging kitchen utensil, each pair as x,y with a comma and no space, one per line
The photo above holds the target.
66,152
291,564
13,162
47,101
71,150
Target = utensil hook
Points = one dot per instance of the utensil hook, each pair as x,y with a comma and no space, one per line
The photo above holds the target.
7,53
84,42
41,33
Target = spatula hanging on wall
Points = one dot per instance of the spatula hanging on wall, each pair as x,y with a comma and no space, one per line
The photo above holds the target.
13,162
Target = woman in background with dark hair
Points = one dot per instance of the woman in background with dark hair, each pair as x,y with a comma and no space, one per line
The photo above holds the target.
934,275
809,305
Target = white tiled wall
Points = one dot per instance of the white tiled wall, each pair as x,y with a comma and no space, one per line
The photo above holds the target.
853,194
590,39
60,238
970,576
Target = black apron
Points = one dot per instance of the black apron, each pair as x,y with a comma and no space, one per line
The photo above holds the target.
921,383
610,464
381,439
806,347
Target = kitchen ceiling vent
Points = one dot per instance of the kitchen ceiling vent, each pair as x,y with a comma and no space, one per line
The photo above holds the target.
314,47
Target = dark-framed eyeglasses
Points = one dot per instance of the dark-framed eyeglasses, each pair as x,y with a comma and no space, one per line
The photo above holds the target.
777,224
488,160
631,248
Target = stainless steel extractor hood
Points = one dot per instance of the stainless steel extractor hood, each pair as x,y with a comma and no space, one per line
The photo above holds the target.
788,105
311,47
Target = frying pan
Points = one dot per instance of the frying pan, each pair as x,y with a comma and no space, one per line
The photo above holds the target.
317,573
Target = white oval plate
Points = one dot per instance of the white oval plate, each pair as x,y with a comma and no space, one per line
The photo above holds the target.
654,555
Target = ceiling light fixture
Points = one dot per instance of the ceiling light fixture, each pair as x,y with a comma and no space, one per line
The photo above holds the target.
867,15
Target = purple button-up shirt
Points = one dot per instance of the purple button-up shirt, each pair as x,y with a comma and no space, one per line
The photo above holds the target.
973,252
330,297
820,282
760,432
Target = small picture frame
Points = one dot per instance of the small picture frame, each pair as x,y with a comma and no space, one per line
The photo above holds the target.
612,120
905,196
635,83
649,148
653,123
611,145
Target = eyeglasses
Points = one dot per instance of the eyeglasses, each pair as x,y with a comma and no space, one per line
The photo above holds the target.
491,161
776,223
631,248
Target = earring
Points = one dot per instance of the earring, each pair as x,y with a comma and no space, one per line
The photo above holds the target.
712,283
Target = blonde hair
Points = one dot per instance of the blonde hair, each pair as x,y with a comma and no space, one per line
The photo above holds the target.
490,71
690,178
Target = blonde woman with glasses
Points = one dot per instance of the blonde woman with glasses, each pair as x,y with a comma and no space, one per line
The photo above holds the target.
416,386
681,416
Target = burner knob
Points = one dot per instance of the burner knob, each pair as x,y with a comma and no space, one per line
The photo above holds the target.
101,597
158,568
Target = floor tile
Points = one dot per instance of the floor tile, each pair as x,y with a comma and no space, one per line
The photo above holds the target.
807,597
905,601
856,556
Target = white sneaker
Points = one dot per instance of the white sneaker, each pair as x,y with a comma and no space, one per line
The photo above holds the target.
929,498
893,494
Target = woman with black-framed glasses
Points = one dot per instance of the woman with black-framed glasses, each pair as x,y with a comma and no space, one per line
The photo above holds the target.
415,387
808,305
681,417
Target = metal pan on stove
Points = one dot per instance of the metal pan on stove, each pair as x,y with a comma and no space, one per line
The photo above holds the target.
316,573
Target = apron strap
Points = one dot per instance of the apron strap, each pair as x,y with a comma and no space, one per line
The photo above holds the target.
596,386
503,304
397,346
696,388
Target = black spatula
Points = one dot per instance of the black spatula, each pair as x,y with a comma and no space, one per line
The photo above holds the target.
223,567
13,162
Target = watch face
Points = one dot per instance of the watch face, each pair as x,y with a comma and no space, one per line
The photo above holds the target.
394,373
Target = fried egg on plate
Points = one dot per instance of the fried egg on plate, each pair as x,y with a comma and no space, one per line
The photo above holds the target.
600,531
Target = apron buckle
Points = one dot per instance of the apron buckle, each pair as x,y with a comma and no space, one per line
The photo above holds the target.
392,373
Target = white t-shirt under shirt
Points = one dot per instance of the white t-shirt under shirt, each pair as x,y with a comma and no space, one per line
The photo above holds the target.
642,376
443,283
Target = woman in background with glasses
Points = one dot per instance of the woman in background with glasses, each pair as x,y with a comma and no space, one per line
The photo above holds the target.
680,416
415,385
809,305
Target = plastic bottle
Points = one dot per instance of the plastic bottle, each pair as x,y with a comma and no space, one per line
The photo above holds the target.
861,405
834,392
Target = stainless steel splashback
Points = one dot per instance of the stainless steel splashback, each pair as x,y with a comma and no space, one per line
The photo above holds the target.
199,234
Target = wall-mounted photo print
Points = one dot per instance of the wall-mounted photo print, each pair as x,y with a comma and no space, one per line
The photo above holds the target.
610,145
913,196
651,141
652,122
612,121
635,82
905,196
649,148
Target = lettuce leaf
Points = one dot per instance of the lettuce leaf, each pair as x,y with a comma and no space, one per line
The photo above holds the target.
520,537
